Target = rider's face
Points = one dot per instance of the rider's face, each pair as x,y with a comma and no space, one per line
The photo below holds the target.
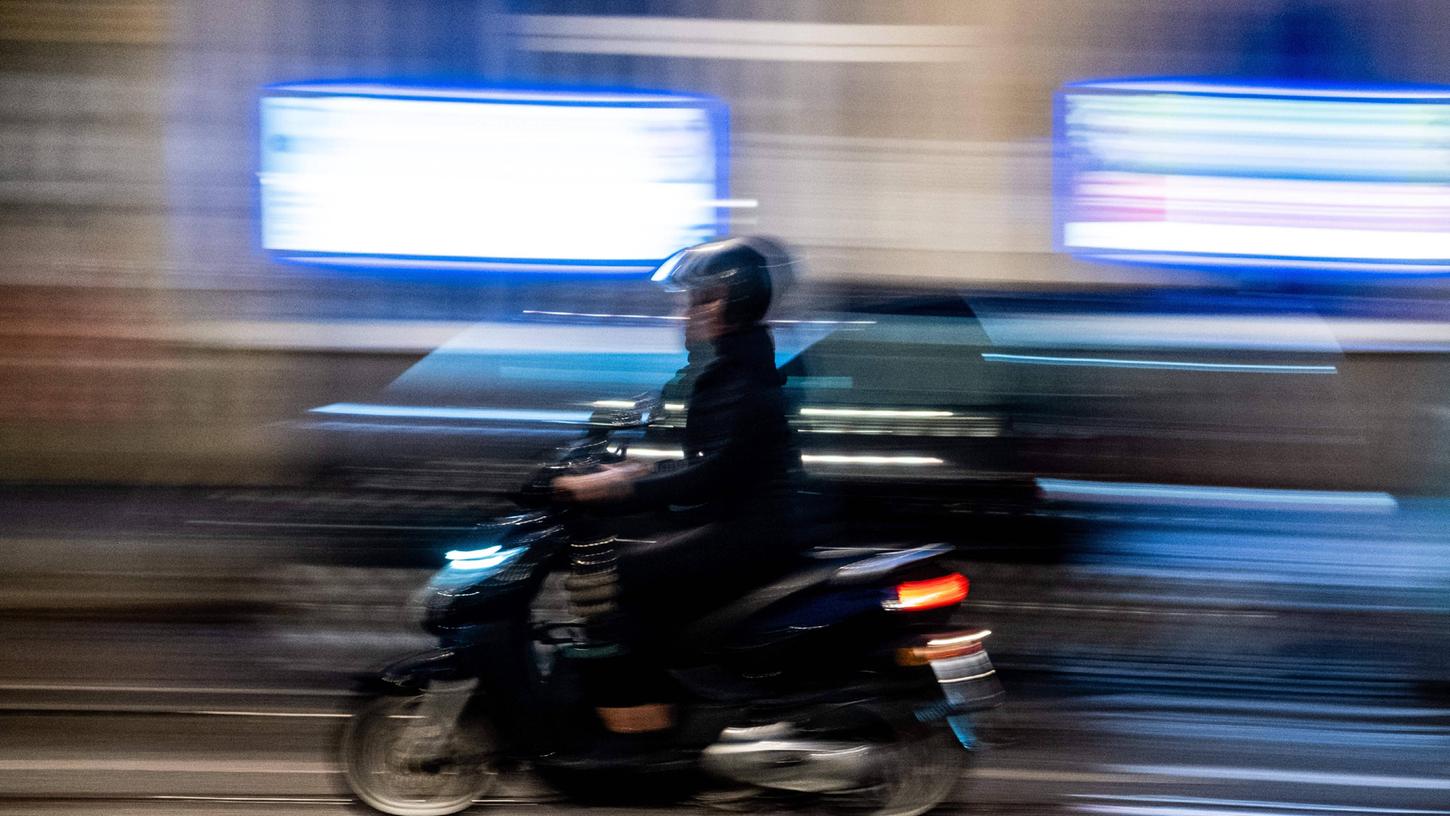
704,316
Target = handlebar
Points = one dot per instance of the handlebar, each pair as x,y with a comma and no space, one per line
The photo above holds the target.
591,452
635,413
587,455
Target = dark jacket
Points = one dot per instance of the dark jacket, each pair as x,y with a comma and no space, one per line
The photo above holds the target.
741,462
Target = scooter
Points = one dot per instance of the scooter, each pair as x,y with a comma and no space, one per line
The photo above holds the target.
844,683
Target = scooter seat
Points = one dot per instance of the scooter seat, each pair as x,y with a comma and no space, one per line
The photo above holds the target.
713,625
823,567
878,567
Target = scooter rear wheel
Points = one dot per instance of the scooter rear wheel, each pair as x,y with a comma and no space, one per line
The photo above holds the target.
920,767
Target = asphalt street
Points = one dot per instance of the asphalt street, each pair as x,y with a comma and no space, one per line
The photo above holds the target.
150,665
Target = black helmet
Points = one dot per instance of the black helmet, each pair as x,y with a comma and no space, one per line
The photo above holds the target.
742,267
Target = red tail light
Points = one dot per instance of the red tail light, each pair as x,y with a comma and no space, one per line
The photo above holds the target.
932,593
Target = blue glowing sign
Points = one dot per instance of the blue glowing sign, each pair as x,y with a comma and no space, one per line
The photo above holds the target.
371,175
1214,173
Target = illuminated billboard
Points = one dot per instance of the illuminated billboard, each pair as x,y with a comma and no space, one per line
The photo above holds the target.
380,175
1172,171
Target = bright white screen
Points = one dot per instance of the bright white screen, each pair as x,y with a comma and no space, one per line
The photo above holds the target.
1249,175
464,179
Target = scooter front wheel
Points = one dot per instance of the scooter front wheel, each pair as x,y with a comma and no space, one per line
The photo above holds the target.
400,759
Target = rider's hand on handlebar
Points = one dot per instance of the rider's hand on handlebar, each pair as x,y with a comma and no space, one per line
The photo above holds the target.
613,483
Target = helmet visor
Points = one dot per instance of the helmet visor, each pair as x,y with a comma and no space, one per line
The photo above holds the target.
705,264
666,274
689,268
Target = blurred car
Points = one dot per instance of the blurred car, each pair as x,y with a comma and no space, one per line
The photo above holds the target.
914,424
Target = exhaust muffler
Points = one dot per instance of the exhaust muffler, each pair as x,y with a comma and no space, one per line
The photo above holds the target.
782,763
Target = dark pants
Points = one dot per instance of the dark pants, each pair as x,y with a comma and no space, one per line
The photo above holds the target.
684,575
669,582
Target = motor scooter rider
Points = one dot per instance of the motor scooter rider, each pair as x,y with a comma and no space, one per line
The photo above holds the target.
739,475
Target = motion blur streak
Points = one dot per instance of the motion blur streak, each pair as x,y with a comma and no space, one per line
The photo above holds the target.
1217,496
516,415
1171,365
745,39
871,412
845,459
